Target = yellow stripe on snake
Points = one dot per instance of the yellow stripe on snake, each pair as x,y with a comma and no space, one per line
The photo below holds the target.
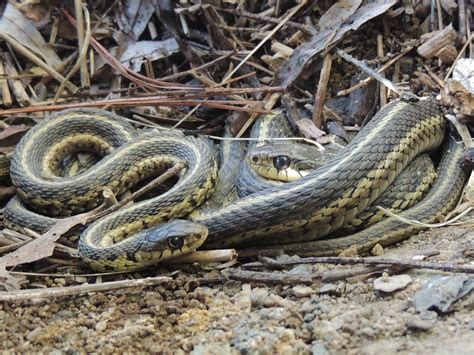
302,211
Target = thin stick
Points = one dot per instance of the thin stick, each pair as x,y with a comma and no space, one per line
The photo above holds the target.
36,60
52,292
381,70
143,101
262,18
468,269
266,38
321,91
83,48
380,54
369,71
427,225
82,40
175,169
271,278
206,257
196,69
461,52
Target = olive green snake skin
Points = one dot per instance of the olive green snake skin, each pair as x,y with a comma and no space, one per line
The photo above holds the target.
314,207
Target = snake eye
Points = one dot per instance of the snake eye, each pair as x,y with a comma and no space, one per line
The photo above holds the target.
175,242
281,162
255,159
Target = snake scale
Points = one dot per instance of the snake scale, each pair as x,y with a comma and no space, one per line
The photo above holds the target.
301,211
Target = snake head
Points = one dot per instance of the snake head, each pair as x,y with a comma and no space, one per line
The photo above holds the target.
174,238
284,161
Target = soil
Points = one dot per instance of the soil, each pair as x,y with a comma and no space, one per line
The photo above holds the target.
192,315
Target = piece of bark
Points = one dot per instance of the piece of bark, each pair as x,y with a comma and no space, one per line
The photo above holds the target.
436,42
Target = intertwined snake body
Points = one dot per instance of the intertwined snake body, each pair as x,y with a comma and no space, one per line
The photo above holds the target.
304,210
332,195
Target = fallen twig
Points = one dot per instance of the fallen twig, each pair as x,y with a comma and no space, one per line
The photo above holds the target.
51,292
468,269
321,91
380,70
362,66
206,257
271,277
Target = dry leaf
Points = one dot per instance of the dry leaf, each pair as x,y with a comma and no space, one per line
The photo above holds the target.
309,130
307,53
11,135
14,24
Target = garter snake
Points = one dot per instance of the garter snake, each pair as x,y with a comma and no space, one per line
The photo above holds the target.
286,161
305,210
129,159
440,200
325,200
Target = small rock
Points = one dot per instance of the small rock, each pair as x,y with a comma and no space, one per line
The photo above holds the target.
308,306
377,250
100,326
274,300
34,334
392,283
300,269
340,288
471,324
418,324
328,288
422,322
60,281
302,291
258,296
80,279
318,348
440,292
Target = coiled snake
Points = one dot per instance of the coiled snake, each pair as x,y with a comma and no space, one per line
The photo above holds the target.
302,211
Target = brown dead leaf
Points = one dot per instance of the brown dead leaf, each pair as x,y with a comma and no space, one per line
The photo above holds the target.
307,54
15,25
44,246
12,135
309,130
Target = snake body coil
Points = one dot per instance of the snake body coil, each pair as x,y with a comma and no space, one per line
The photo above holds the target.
305,210
131,159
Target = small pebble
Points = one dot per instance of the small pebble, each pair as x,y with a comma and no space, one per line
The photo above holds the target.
418,324
34,334
258,296
302,291
340,288
60,281
377,250
100,326
319,348
80,279
392,283
328,288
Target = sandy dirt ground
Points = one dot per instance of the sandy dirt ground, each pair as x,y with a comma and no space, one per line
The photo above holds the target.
197,313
